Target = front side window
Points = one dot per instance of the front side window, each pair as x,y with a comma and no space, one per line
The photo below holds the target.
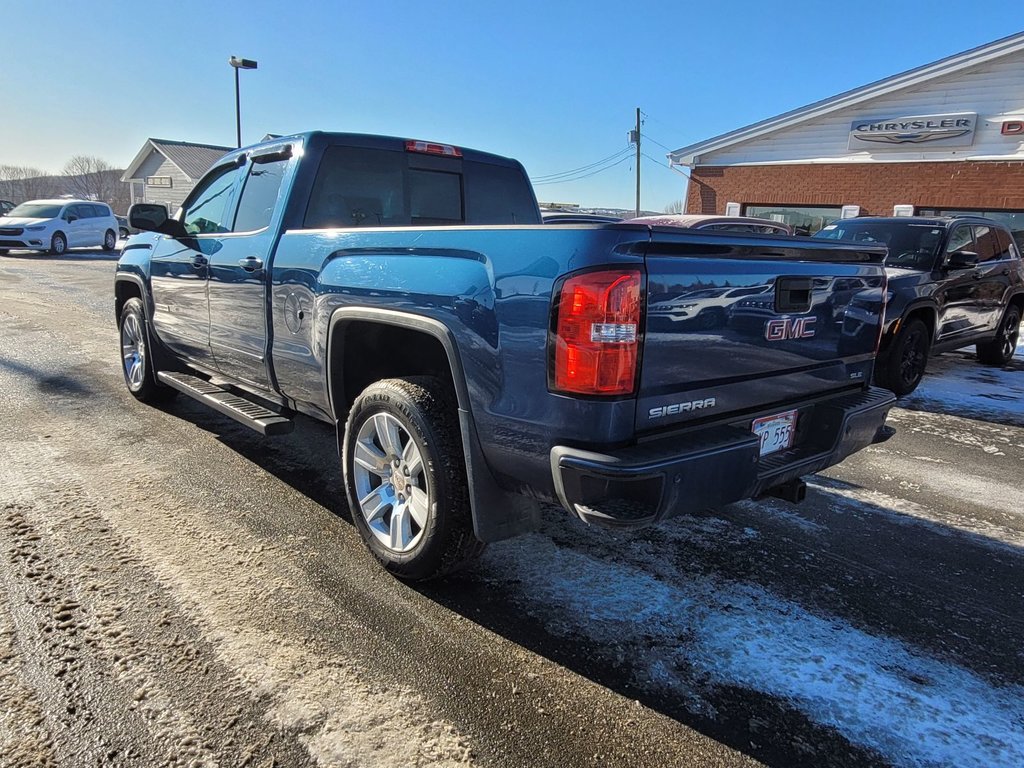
211,205
259,196
961,239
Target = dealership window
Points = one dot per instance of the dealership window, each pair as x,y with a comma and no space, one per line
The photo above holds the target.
804,219
1014,220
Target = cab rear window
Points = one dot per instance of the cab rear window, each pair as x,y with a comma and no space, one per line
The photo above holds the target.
358,187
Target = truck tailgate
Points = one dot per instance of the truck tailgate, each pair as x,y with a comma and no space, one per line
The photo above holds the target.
739,324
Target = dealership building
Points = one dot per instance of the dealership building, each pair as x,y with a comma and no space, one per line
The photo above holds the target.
944,138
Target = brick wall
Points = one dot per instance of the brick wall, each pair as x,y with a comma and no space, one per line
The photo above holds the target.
875,187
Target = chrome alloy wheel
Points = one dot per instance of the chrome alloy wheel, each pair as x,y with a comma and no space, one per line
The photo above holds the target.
133,351
390,482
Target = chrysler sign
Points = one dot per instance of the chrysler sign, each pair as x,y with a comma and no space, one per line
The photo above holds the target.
955,130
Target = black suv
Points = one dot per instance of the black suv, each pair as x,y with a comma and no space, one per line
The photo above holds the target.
954,281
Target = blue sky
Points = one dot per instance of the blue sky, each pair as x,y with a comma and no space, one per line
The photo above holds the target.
553,84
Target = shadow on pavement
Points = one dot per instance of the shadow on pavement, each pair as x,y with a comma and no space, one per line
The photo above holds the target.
72,254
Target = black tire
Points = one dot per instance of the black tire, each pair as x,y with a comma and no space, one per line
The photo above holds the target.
109,240
907,360
122,233
3,251
133,334
424,408
1000,350
58,244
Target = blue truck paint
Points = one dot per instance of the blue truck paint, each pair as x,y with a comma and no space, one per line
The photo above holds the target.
485,294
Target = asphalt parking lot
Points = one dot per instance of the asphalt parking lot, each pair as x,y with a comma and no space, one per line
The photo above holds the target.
175,589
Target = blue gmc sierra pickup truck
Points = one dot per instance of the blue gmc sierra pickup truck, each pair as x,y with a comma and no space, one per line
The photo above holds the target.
476,363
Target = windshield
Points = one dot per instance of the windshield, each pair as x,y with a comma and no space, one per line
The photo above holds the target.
911,245
36,211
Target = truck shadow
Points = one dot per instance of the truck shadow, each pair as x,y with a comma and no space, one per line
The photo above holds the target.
839,632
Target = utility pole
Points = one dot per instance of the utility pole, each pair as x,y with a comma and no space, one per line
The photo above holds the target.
638,161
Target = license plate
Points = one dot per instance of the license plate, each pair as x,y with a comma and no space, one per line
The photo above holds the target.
776,432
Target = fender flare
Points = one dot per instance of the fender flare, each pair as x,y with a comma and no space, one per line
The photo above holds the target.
497,514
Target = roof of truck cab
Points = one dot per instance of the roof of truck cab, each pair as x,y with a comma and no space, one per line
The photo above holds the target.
372,141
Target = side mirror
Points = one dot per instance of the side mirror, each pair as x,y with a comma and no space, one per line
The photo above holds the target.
148,217
70,218
962,260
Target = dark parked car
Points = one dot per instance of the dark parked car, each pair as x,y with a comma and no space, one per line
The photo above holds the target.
954,281
572,217
6,206
716,223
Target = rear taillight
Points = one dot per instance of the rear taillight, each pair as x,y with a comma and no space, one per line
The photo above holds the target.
596,339
430,148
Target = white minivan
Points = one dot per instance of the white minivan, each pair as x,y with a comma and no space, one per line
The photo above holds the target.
56,225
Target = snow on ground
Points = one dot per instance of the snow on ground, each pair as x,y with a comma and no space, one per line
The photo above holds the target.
845,498
956,383
685,633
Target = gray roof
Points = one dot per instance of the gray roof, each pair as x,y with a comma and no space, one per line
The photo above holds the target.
193,159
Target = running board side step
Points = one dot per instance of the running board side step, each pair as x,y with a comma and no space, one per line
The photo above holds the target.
253,415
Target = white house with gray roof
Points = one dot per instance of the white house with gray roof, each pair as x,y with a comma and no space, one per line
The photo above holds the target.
165,171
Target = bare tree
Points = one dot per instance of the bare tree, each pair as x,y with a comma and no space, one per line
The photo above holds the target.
676,207
21,182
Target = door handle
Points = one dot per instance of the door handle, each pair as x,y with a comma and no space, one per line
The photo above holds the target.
198,262
251,263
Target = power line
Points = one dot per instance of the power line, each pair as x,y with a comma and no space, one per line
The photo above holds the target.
655,141
650,117
586,175
581,169
663,165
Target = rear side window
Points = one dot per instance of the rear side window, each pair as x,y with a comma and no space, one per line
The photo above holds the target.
1006,246
259,196
987,245
100,210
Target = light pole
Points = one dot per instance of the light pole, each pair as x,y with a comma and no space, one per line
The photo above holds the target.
238,64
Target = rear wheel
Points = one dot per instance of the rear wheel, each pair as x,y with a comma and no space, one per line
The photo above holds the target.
58,244
122,233
406,479
908,357
109,240
136,363
1001,349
